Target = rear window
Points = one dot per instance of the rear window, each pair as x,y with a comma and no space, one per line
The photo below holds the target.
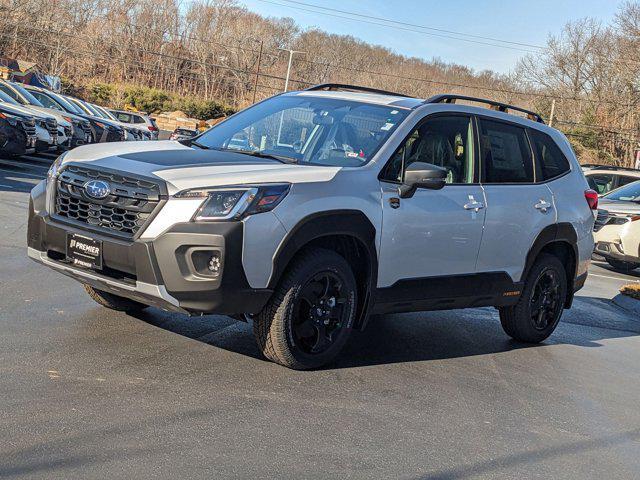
506,155
123,117
551,161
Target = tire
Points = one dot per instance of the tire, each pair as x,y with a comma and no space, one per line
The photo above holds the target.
114,302
621,265
518,321
291,330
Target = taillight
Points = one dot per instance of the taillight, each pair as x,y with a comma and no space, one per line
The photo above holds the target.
592,199
152,128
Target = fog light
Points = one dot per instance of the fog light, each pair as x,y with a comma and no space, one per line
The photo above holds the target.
214,264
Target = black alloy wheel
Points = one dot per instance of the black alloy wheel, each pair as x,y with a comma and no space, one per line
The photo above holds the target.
319,313
546,303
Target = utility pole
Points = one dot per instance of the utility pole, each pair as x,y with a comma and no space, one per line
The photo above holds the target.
291,52
255,85
553,111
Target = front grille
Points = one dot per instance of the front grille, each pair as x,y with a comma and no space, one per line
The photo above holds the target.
67,131
86,128
29,127
123,212
52,127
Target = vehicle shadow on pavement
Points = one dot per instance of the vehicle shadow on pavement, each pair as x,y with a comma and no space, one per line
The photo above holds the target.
419,336
605,266
17,181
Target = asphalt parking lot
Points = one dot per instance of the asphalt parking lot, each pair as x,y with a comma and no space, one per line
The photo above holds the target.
90,393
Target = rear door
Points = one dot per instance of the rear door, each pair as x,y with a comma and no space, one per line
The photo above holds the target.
518,208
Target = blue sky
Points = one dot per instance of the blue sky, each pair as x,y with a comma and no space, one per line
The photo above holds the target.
524,21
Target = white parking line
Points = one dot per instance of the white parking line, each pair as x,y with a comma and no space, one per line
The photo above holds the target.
614,278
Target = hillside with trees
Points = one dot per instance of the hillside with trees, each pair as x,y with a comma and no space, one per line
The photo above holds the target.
212,56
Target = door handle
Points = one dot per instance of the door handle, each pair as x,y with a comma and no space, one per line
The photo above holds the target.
473,204
543,206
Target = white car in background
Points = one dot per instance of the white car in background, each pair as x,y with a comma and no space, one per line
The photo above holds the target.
617,228
137,120
605,178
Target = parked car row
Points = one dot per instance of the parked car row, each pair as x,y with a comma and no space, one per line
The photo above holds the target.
34,119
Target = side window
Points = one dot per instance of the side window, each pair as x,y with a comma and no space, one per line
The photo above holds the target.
624,180
138,119
506,154
123,117
603,182
551,161
446,141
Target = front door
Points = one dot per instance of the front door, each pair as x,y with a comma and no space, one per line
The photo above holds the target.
435,232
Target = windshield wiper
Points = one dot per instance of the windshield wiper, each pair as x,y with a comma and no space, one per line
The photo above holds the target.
199,145
259,154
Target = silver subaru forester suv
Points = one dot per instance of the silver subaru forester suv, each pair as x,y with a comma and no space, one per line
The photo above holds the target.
310,211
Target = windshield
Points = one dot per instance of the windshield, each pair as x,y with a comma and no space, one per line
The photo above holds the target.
7,99
628,193
307,129
93,110
46,100
105,113
26,94
68,106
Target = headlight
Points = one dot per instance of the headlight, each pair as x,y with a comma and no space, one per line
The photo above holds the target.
234,203
13,121
52,174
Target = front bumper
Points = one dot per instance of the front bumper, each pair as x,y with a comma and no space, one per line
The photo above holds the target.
620,240
168,272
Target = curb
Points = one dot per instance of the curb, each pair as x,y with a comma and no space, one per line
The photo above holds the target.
628,303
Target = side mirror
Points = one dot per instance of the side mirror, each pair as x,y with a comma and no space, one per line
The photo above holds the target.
422,175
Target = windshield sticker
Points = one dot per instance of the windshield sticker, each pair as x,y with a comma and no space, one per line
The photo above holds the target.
387,126
394,112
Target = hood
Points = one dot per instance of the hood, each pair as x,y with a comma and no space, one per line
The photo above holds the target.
23,110
184,167
50,112
618,206
101,120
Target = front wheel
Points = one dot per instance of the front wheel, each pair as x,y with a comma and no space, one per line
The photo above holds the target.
114,302
538,311
621,265
309,318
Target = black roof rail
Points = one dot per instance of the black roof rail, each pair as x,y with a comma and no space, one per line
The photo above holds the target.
501,107
352,88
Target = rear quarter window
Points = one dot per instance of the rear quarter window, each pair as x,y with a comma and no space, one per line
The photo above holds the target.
550,161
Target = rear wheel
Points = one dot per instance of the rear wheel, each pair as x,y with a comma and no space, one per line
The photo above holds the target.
310,315
537,313
114,302
621,265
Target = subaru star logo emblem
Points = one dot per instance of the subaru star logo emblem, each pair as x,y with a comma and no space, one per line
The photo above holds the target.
97,189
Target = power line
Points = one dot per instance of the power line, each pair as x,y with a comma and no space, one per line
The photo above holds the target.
398,22
398,27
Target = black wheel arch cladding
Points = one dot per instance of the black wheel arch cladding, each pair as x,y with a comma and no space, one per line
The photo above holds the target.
327,226
555,239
